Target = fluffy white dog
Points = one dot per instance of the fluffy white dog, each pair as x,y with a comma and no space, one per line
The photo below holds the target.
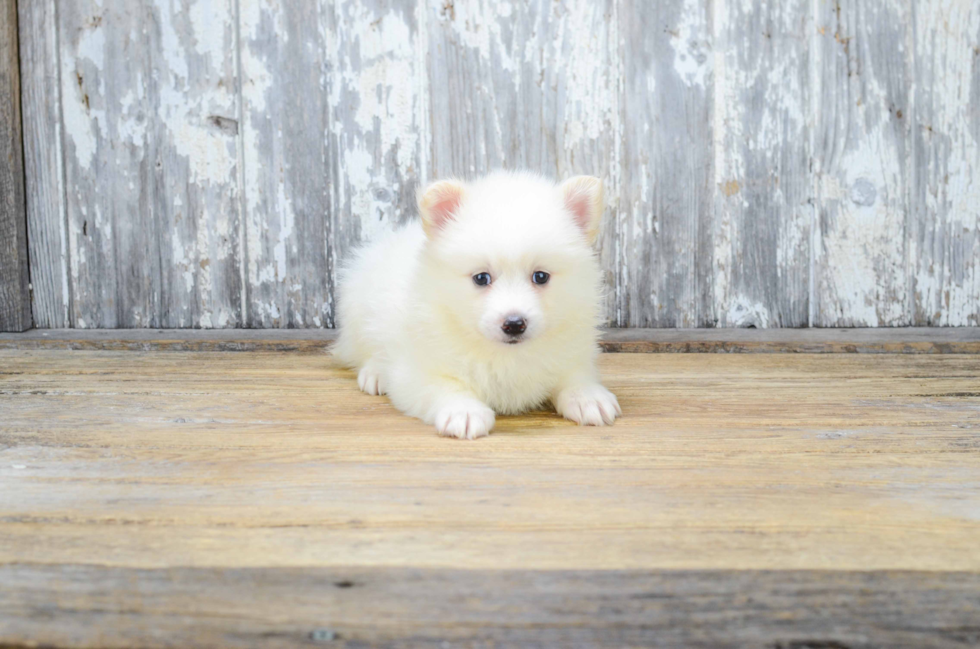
489,305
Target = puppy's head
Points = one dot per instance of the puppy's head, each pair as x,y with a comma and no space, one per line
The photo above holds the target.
509,257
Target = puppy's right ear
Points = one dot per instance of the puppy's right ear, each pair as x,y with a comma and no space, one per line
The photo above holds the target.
439,204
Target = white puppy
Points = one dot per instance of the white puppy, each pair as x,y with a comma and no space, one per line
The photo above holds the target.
489,305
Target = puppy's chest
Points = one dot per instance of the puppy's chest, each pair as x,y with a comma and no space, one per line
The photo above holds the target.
511,388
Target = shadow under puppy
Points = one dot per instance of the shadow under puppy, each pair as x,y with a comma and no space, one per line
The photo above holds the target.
489,305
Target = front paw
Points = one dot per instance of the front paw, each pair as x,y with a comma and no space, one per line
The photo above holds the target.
369,380
464,418
588,405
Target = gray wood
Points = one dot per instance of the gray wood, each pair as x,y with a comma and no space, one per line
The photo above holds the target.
97,606
377,108
149,107
211,163
892,340
285,156
861,162
44,172
668,164
528,85
945,207
15,300
763,212
332,146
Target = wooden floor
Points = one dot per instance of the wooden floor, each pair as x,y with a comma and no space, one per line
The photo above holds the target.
158,499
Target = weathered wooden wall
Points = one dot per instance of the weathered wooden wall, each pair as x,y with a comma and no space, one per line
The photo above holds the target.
15,302
208,163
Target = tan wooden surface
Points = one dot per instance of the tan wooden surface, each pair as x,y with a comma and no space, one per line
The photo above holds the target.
192,499
838,462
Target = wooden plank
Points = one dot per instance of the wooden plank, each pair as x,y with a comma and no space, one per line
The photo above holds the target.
531,85
861,161
43,157
911,340
763,211
96,606
721,462
336,167
945,237
668,173
15,297
198,499
286,164
377,106
201,340
150,114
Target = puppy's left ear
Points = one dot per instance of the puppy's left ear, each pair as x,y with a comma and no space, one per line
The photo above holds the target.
439,204
583,200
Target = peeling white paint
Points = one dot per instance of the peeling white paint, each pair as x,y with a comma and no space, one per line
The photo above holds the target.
560,67
384,92
84,113
744,313
691,41
478,25
947,276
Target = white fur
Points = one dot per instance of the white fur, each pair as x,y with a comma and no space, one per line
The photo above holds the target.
417,328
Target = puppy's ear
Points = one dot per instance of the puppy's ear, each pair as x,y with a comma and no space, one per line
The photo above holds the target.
439,204
583,200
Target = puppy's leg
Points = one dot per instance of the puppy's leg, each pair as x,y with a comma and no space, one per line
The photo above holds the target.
370,377
454,410
586,402
463,416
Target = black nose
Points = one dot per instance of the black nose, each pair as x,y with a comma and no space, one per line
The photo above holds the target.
514,325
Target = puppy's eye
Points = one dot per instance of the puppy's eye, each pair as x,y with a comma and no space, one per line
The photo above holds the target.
540,277
481,279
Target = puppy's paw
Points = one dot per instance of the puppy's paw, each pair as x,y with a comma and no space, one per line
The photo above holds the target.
588,405
369,380
464,418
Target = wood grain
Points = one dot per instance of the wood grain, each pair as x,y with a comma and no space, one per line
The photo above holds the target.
97,606
763,213
15,300
285,162
329,168
733,462
861,157
149,106
668,164
43,164
377,110
211,163
259,499
945,248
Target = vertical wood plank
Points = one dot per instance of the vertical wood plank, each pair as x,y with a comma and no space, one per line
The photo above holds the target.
945,238
668,164
285,156
763,213
531,85
149,105
332,145
861,161
15,301
41,102
376,103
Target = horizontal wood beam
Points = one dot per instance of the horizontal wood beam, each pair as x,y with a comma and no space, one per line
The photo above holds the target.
15,296
912,340
98,606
